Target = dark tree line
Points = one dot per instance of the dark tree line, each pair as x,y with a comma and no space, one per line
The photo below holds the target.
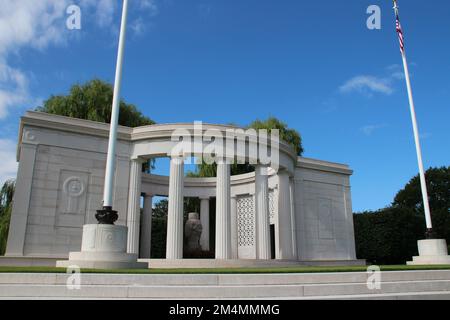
389,235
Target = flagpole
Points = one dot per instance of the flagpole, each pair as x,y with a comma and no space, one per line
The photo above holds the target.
423,183
107,215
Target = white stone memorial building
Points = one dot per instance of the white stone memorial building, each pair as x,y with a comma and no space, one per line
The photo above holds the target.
300,212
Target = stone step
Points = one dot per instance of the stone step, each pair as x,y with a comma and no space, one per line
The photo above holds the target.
401,285
222,279
224,292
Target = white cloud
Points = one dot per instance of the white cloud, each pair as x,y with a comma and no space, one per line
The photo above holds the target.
13,88
104,12
370,129
31,23
141,24
425,135
138,26
149,5
26,23
367,84
8,168
41,24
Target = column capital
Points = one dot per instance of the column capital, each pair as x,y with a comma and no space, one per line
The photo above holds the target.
138,159
177,159
285,172
205,198
261,165
223,160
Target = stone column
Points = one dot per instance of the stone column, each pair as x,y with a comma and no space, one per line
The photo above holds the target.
134,206
146,228
234,229
284,217
223,212
175,215
293,220
204,219
262,213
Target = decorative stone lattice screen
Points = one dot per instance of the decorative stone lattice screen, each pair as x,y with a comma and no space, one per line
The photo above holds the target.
272,206
246,227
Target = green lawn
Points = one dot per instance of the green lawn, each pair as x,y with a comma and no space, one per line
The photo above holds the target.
225,270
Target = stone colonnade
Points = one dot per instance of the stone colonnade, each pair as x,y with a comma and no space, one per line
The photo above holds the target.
226,241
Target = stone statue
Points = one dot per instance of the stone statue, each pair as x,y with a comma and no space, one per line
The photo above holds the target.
193,230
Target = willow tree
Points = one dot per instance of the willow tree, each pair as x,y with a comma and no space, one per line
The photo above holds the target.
93,101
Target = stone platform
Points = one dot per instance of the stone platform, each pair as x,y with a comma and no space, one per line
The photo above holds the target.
212,263
395,285
181,264
431,252
103,247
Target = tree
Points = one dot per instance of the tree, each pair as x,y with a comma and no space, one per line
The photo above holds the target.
6,197
438,185
93,101
390,235
161,208
89,101
291,136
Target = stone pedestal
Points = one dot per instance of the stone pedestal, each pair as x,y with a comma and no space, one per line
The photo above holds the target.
103,247
431,252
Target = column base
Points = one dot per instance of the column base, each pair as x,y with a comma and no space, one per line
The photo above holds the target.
431,252
103,247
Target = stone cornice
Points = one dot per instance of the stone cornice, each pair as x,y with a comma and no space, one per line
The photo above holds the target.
199,182
154,132
323,166
98,129
67,124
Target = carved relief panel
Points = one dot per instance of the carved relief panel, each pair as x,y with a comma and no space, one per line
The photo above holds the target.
72,199
326,226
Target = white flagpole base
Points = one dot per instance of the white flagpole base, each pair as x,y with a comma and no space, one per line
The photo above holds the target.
104,246
431,252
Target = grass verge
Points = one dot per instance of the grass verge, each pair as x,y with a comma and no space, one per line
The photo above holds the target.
226,270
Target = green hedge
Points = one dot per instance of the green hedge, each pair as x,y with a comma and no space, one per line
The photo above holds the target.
388,236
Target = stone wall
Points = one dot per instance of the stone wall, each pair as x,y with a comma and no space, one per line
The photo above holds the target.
66,190
60,186
324,220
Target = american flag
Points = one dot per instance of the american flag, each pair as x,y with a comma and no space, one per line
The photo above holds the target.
400,34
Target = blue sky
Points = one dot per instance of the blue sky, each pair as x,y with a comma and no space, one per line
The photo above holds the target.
312,64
